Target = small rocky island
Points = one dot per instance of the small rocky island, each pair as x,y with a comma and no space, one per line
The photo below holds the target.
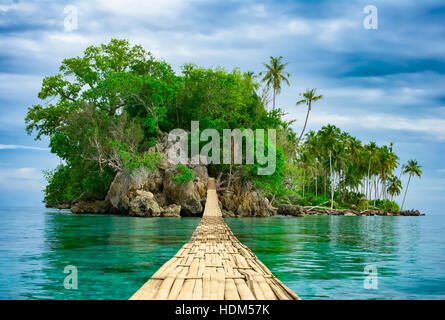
108,113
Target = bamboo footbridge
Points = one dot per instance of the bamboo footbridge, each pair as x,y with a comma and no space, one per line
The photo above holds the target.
214,265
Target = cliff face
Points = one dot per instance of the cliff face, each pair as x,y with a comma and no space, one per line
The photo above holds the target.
155,194
242,200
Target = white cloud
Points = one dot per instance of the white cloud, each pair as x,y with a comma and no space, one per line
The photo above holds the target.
433,127
330,31
15,147
153,9
20,173
299,26
26,179
353,93
16,85
258,11
17,6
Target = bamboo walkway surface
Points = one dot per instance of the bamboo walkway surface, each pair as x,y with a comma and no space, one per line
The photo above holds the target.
214,265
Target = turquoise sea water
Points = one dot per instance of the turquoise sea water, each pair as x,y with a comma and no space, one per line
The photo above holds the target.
319,257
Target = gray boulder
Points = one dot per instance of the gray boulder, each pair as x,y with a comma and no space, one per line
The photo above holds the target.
144,205
291,210
244,201
188,195
172,210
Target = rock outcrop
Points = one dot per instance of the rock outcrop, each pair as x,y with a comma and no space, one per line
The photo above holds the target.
291,210
98,207
117,195
242,200
60,206
299,211
144,205
187,194
130,193
411,213
172,210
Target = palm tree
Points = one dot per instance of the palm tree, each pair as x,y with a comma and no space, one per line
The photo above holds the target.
393,186
275,75
388,162
371,149
309,97
330,147
412,168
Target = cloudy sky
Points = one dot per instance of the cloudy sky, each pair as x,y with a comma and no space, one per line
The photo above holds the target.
385,85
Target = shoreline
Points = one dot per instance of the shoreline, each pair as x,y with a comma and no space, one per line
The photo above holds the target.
300,211
283,210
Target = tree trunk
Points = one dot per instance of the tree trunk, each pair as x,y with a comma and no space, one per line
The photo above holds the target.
332,185
274,94
375,190
404,197
325,182
305,122
316,191
384,191
368,193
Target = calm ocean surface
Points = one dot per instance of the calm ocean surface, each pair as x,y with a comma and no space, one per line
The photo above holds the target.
319,257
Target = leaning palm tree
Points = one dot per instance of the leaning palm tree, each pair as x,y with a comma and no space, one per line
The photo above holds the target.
309,97
393,186
412,168
275,75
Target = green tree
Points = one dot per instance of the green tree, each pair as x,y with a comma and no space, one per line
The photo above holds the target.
309,97
184,174
413,169
275,75
394,186
114,92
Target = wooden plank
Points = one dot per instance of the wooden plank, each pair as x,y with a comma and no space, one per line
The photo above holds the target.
265,288
254,286
213,284
243,290
221,280
279,292
177,284
231,292
206,284
189,285
166,285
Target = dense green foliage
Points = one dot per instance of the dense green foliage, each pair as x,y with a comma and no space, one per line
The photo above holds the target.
184,174
387,205
105,109
132,160
66,183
